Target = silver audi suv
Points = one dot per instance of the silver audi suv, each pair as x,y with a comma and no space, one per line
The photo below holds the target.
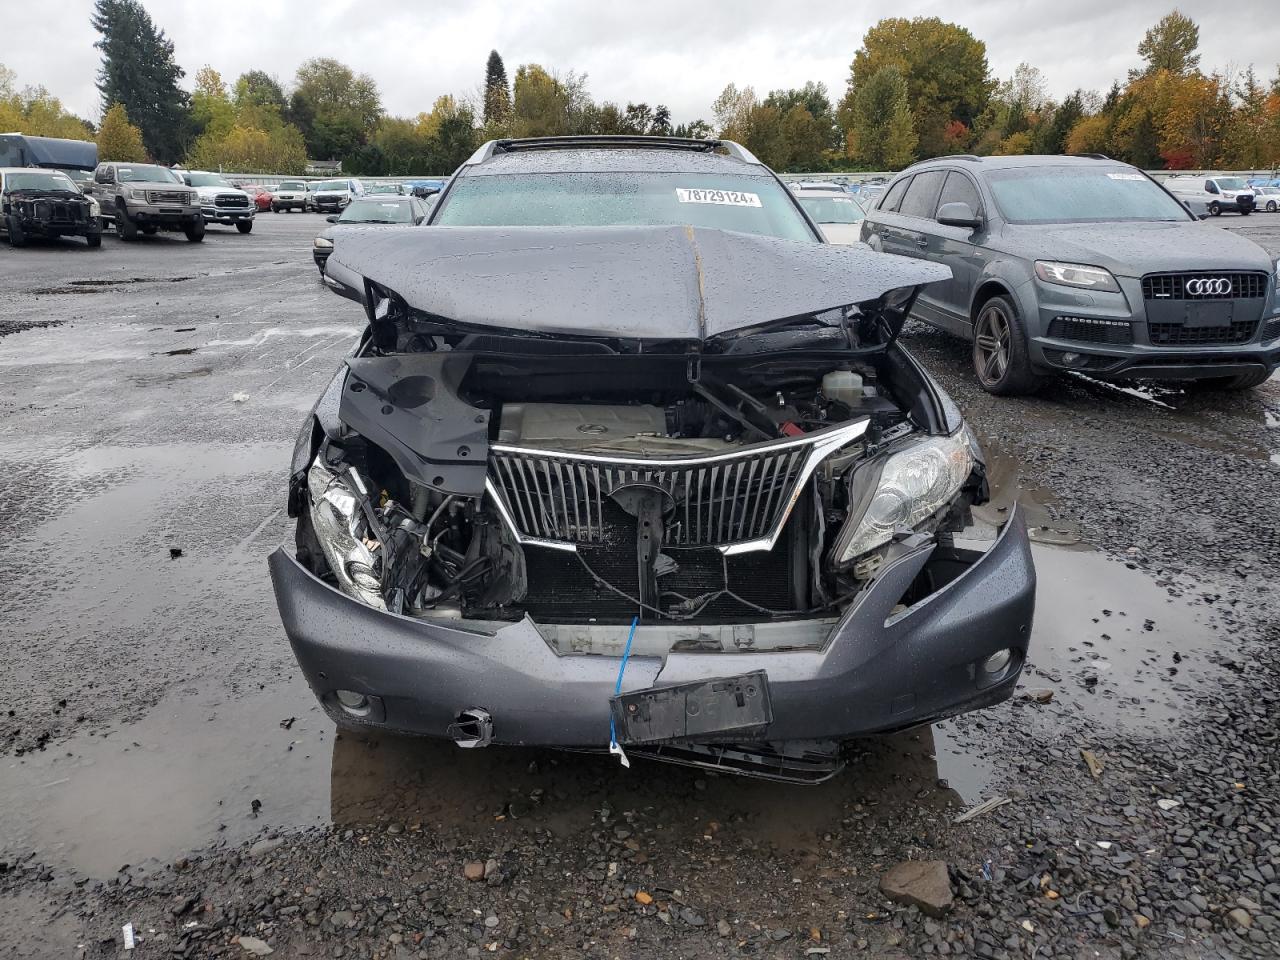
1084,264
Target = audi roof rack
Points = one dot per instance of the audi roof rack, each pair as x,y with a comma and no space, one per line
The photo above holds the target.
612,141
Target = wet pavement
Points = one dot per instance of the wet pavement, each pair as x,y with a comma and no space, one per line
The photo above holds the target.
153,712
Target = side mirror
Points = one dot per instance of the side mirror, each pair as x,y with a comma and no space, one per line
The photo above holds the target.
958,214
86,187
332,218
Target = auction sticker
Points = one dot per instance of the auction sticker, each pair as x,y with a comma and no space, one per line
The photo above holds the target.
730,198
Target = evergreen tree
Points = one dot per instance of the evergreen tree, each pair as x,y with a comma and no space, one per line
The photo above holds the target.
497,94
139,72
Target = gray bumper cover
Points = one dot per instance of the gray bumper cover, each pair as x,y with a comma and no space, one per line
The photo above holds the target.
876,673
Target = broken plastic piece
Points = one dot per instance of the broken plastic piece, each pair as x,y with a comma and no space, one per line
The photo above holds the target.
127,932
1164,804
1092,762
986,806
614,747
239,397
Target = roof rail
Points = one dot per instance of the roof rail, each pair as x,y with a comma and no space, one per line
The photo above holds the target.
1090,156
611,141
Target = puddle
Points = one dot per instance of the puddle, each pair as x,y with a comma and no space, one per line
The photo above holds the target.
1036,502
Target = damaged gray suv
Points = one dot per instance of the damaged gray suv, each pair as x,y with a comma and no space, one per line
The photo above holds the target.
629,459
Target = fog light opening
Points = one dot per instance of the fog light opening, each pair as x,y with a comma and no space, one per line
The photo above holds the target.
353,703
997,663
1071,359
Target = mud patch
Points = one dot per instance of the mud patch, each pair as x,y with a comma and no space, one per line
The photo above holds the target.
8,327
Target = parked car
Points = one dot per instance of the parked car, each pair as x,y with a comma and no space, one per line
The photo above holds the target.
220,201
261,195
289,195
1071,263
144,198
630,459
384,189
1267,198
423,189
1219,194
330,196
44,203
382,209
836,212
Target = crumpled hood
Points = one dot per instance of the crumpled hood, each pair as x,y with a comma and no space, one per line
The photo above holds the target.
1134,249
653,283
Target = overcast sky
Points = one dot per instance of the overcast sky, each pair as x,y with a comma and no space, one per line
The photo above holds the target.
676,52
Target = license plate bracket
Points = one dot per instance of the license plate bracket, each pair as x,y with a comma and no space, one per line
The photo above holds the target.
724,708
1211,313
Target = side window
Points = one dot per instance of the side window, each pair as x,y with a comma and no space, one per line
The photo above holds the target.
1211,186
960,189
893,195
921,198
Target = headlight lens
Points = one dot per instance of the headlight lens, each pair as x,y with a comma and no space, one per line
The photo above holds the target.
1076,275
341,528
915,483
320,243
137,194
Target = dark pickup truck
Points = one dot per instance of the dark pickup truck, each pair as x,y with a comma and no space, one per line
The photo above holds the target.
44,203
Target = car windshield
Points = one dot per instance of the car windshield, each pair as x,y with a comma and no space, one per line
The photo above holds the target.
377,211
1232,183
146,173
78,176
384,188
330,185
746,204
292,185
1080,195
831,209
207,180
40,181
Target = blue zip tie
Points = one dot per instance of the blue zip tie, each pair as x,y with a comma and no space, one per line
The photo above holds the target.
614,746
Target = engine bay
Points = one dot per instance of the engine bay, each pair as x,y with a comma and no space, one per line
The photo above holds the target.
587,500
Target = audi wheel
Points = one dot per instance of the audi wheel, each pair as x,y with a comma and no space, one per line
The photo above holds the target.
1000,357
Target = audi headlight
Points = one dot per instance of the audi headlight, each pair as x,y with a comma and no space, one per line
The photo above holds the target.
321,243
1076,275
343,532
914,484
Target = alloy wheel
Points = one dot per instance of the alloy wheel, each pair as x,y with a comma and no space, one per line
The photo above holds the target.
992,343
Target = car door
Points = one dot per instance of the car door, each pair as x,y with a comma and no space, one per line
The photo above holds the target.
883,231
958,248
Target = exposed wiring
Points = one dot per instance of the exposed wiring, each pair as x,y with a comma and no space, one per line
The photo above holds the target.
614,746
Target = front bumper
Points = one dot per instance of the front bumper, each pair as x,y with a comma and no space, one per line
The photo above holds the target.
1126,310
35,227
878,671
226,214
171,218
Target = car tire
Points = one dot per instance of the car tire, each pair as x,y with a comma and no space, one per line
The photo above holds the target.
150,231
195,231
1271,206
1214,209
1245,211
1001,360
244,226
127,229
94,240
17,238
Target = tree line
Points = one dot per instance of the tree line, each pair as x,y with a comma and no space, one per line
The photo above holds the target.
917,88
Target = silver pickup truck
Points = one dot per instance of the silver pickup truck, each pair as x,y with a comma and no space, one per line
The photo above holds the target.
145,198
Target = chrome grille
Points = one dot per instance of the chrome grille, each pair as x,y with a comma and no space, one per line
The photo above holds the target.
736,501
230,200
167,196
1238,285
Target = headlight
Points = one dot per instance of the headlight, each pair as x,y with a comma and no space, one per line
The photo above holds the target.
95,210
1229,196
342,529
1076,275
320,243
914,484
137,194
193,198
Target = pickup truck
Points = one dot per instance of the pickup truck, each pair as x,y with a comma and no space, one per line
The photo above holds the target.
222,201
290,195
144,198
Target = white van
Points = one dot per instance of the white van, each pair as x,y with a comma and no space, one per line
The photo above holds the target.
1215,192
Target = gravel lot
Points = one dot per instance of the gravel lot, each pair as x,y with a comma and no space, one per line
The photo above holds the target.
163,764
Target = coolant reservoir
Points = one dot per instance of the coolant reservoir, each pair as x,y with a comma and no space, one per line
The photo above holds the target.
844,386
